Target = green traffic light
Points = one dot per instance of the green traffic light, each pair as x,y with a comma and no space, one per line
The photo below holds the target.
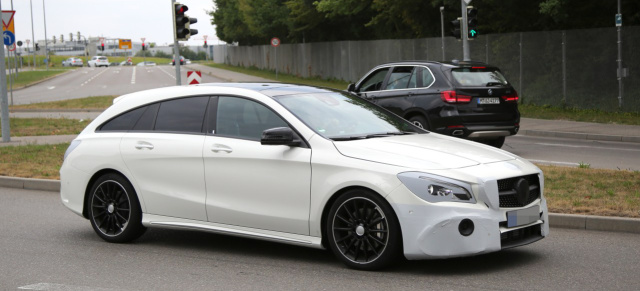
473,32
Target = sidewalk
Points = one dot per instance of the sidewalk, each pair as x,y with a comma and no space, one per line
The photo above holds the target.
579,130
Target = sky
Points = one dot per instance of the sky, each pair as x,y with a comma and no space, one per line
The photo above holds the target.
128,19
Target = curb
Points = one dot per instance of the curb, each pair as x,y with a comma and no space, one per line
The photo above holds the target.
559,220
576,135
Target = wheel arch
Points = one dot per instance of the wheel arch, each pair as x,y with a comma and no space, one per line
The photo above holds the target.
335,196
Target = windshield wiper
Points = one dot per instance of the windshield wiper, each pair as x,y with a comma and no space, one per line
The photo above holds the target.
375,135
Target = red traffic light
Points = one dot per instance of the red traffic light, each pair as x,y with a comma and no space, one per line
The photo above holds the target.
181,9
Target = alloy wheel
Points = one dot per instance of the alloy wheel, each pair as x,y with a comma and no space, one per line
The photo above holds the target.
110,208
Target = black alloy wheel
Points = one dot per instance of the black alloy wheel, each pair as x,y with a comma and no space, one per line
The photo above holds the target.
363,231
114,210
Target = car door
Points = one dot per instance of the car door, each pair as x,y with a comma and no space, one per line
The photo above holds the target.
398,92
249,184
164,154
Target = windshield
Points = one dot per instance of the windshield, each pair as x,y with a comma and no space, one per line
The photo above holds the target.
479,77
344,117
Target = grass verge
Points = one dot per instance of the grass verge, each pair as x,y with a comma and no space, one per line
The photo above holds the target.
28,77
46,126
574,114
96,102
282,77
32,161
568,190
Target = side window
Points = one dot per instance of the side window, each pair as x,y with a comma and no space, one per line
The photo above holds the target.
182,115
374,81
426,77
242,118
123,122
401,78
148,118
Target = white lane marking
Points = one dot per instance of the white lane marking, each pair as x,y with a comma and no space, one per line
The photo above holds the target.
133,76
60,287
51,88
95,76
589,147
553,162
169,74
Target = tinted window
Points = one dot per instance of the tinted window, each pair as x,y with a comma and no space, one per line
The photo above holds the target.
123,122
401,78
242,118
145,123
184,115
478,76
374,81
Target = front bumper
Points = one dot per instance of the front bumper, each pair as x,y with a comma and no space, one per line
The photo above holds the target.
434,230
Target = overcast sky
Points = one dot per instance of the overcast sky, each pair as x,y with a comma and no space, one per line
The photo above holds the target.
129,19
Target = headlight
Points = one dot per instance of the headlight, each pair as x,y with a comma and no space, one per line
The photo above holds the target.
432,188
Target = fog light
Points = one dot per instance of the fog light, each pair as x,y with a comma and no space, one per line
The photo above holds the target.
466,227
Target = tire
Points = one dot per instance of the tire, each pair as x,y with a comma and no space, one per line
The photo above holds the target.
363,231
114,210
498,143
419,121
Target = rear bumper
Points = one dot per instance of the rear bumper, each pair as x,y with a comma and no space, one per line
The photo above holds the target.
480,132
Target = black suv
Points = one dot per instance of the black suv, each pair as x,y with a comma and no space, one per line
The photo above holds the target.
470,100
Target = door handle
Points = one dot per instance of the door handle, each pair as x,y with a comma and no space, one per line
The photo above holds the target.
144,145
221,148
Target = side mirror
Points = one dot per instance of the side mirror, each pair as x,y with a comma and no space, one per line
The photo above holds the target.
351,87
279,136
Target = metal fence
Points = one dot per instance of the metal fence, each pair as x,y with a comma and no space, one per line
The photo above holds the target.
576,68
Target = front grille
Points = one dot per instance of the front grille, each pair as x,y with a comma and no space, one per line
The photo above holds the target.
520,237
508,196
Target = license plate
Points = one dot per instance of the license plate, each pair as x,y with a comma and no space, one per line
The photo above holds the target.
488,100
523,216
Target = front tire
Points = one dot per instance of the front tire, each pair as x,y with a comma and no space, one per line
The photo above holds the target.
114,210
363,231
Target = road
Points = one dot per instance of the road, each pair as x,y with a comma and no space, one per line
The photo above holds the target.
46,247
85,82
573,152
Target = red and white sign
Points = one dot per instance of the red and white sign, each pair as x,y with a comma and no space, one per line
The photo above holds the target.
194,77
129,60
275,42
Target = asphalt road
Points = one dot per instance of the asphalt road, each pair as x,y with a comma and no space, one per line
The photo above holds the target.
573,152
46,247
85,82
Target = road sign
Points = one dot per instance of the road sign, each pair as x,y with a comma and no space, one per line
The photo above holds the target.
9,38
7,20
124,44
275,42
12,47
194,77
618,19
143,39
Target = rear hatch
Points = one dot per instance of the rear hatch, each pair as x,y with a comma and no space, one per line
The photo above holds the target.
483,95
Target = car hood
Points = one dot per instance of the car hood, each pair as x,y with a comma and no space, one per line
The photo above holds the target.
422,151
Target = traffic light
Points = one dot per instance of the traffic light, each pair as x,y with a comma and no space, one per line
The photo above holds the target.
102,46
472,22
143,47
456,28
37,47
183,22
205,44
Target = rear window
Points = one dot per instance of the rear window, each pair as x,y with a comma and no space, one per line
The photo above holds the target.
102,59
479,77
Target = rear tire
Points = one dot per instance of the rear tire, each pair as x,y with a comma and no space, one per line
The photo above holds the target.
114,210
363,231
419,121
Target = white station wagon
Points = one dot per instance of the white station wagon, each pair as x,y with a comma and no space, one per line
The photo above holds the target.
300,165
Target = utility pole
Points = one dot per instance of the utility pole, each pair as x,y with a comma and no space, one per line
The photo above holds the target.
46,49
4,102
466,55
444,58
620,70
33,36
176,48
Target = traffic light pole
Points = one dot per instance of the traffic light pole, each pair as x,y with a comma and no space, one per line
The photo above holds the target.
176,48
466,56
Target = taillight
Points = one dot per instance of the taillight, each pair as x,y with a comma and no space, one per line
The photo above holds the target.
453,97
513,97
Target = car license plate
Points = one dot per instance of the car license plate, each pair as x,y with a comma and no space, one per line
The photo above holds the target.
523,216
488,100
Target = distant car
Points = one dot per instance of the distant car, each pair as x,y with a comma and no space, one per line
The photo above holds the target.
72,62
470,100
141,64
187,61
99,61
126,63
182,62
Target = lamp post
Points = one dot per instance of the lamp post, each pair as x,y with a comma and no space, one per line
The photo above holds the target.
46,49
